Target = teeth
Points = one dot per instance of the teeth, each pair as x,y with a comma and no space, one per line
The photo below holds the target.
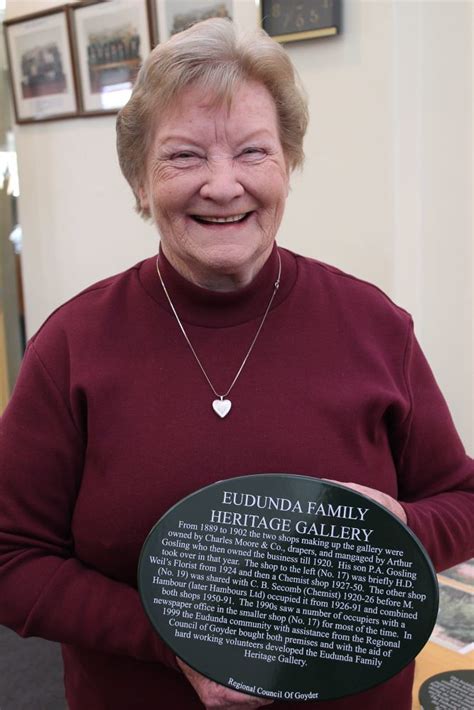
234,218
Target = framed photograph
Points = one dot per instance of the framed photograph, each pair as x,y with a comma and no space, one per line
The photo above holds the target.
41,69
453,627
111,40
172,16
294,20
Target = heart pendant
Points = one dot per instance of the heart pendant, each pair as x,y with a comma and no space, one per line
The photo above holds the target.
222,407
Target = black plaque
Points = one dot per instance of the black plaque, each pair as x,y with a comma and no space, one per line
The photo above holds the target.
288,587
452,689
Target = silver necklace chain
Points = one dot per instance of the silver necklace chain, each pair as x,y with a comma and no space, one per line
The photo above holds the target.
222,405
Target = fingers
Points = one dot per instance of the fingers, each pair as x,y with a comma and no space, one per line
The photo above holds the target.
383,498
217,697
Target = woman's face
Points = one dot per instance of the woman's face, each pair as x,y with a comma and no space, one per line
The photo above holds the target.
216,183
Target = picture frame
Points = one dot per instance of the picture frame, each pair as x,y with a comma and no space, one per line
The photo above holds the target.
110,42
172,16
41,66
295,20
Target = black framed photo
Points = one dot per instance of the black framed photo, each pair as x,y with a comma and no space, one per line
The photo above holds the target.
111,40
294,20
41,66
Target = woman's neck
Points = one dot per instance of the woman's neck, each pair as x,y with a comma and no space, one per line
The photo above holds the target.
221,278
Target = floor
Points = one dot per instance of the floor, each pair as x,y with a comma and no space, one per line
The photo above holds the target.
30,674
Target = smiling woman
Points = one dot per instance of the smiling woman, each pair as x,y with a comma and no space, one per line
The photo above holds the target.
217,199
123,403
219,138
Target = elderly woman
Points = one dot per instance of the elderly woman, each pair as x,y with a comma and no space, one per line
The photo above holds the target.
224,356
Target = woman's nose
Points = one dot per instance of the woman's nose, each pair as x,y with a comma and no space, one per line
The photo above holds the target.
221,183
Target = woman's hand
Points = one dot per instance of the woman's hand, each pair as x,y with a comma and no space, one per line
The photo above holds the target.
217,697
387,501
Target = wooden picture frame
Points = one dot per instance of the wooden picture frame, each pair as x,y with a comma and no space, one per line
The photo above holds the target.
110,41
172,16
295,20
41,66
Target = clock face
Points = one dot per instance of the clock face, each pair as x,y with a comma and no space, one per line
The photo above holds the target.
287,20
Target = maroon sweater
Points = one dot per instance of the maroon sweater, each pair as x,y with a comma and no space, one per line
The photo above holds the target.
111,423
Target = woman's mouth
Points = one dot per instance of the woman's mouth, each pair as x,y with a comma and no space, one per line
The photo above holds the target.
230,219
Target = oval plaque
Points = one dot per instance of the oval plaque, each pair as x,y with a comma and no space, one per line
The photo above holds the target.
451,689
288,587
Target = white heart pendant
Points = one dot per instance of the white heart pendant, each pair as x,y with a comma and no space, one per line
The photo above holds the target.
222,407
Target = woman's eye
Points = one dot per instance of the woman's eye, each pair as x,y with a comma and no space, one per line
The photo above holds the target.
253,153
185,158
183,155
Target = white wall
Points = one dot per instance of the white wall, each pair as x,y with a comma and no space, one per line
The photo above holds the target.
385,194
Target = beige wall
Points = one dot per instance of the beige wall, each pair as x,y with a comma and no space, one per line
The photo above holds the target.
386,191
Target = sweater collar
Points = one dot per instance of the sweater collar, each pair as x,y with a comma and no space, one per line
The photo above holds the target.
200,306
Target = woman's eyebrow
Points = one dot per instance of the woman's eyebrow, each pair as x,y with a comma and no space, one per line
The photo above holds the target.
177,138
190,139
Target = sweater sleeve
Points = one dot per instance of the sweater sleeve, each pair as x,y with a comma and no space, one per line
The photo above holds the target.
45,590
436,477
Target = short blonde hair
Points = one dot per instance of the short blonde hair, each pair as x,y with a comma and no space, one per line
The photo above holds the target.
216,56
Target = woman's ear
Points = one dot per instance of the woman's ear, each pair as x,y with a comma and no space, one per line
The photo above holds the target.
143,198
